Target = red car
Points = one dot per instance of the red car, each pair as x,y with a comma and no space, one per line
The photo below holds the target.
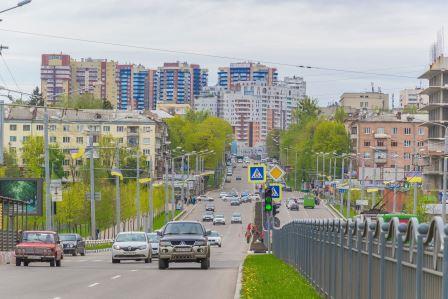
39,246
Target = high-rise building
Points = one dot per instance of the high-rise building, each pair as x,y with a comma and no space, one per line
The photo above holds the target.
136,87
437,75
365,100
413,97
236,73
55,73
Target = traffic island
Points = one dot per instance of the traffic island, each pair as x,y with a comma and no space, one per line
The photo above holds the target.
265,276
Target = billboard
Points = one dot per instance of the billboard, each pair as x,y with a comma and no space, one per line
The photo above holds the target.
27,190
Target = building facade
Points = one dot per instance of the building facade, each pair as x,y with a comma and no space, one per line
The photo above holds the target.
413,97
229,77
365,100
437,92
207,104
56,77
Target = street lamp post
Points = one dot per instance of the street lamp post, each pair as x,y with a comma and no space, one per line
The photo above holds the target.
92,188
117,191
349,187
137,192
48,214
19,4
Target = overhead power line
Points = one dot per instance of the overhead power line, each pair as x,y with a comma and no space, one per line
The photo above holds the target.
9,71
163,50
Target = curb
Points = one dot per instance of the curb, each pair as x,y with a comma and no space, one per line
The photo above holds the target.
6,258
239,282
188,213
335,212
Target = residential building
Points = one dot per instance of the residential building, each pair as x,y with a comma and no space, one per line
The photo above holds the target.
207,104
437,92
179,83
68,128
229,77
174,109
136,87
55,73
365,100
386,140
413,97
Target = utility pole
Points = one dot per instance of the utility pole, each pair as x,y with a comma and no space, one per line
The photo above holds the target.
166,191
295,173
173,199
341,207
317,169
374,181
334,179
349,187
117,190
394,208
48,215
2,129
92,188
137,192
182,196
363,174
150,199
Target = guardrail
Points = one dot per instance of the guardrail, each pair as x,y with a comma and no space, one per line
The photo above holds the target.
97,242
355,259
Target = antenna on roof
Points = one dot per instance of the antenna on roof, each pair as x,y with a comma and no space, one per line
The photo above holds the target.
393,101
373,87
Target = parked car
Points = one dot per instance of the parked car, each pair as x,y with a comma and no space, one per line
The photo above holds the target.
219,219
184,242
154,239
208,198
201,197
131,246
214,238
210,207
39,246
234,202
255,197
222,195
73,244
208,216
228,180
238,178
236,218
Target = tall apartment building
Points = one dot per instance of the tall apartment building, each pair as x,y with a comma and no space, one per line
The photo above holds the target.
254,108
130,128
437,92
179,83
236,73
413,97
365,100
95,76
386,140
55,73
136,87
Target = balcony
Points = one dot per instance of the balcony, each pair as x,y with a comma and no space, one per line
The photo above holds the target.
380,160
435,147
432,170
381,136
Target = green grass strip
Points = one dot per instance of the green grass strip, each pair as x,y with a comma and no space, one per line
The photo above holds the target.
265,276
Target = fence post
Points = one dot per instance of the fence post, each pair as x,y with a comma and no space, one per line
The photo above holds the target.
422,231
371,228
359,228
399,257
334,257
349,237
445,264
342,227
384,229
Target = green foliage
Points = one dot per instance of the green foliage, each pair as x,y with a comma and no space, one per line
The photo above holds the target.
82,101
10,168
307,109
423,198
340,115
33,158
411,109
272,144
36,98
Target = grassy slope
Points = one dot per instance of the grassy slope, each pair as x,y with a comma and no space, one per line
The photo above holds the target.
265,276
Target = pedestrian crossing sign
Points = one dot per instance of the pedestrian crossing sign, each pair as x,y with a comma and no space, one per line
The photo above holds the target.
277,193
257,173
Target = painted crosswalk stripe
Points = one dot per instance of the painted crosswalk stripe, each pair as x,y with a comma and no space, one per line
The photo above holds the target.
116,276
93,285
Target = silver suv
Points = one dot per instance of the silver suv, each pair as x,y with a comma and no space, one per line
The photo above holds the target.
183,242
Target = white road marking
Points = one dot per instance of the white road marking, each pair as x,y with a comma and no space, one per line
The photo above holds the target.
98,260
93,285
57,298
134,270
116,276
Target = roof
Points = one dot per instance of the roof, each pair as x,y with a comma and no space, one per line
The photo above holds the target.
161,114
406,118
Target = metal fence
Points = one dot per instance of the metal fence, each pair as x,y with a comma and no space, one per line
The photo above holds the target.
13,217
355,259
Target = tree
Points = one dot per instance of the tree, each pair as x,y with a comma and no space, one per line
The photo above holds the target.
33,158
10,168
107,104
273,144
411,109
340,115
307,109
36,98
82,101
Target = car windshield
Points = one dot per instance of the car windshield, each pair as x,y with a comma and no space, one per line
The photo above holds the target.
129,237
153,238
38,237
183,228
213,234
219,216
209,213
236,215
67,237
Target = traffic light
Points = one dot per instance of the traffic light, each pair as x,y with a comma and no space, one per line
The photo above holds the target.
268,199
275,210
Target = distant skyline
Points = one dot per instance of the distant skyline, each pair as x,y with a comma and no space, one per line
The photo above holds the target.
369,36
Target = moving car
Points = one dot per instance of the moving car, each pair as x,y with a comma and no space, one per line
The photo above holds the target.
210,207
39,246
234,202
294,206
208,216
208,198
236,218
219,219
131,246
153,239
184,242
238,178
214,238
228,180
73,244
222,195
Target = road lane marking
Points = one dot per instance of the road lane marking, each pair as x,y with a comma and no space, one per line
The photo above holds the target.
98,260
116,276
134,270
93,285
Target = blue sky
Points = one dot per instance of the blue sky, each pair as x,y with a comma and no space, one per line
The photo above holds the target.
374,36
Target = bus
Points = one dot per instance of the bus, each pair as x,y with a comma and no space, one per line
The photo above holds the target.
309,202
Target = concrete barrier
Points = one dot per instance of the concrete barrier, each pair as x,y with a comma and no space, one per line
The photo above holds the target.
6,257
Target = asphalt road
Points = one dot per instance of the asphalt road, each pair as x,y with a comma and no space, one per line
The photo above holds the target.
94,276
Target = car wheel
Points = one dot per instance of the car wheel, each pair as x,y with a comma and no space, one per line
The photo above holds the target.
219,245
18,262
83,253
115,261
163,264
205,263
75,253
58,263
26,263
52,263
148,260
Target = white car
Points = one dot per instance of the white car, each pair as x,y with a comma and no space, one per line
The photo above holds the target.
255,197
153,239
214,238
219,219
222,194
131,246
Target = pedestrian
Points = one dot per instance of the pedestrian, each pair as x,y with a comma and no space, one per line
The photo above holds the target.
97,233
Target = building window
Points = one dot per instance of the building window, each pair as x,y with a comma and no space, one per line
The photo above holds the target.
66,128
407,168
354,130
66,162
394,143
79,140
146,129
146,151
66,174
366,143
12,138
421,131
52,127
25,138
120,129
146,141
407,143
13,127
26,128
380,130
367,131
39,127
380,143
407,156
420,143
53,139
106,129
66,139
120,140
407,131
79,162
394,131
80,128
366,155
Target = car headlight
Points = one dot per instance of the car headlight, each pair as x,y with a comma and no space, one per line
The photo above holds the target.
165,243
141,247
200,243
116,247
71,245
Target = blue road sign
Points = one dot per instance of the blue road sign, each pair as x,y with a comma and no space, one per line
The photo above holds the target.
276,192
256,173
342,190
